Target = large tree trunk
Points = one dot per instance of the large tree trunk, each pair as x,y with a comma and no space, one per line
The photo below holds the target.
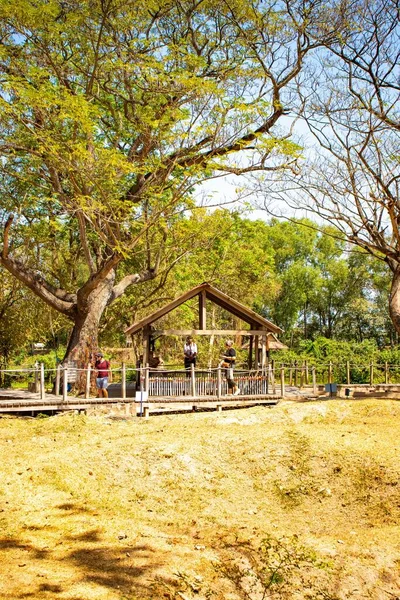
394,299
84,337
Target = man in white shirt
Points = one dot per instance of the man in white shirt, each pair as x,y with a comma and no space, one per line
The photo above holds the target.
190,353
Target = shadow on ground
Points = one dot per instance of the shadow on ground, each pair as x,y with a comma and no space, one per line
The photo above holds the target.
125,568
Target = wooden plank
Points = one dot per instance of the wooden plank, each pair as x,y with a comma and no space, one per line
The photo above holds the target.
228,332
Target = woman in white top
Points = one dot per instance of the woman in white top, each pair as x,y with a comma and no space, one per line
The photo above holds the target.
190,352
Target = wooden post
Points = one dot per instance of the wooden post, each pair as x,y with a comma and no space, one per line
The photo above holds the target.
269,375
371,373
263,353
88,373
273,377
219,407
58,379
282,382
386,373
295,373
330,372
146,345
193,380
306,366
302,376
37,378
42,390
348,372
250,361
146,412
146,378
65,384
314,380
123,382
219,382
256,352
202,310
291,374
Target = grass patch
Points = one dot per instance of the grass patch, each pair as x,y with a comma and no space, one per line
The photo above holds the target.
300,501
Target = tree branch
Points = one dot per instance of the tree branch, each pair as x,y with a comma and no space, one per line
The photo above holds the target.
120,288
54,297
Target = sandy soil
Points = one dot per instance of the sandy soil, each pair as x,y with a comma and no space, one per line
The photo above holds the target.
297,501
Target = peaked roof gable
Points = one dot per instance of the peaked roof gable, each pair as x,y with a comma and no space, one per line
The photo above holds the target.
214,295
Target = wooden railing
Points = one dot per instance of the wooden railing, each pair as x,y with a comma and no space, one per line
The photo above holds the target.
277,379
203,383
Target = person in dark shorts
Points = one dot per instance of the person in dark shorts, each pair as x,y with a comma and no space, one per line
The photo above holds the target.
190,353
229,359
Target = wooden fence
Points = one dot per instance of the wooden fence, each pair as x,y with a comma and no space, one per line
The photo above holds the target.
300,373
202,383
276,379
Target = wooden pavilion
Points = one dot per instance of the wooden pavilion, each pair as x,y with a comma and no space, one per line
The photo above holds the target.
262,333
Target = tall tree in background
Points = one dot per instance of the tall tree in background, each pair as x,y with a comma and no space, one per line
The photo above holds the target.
352,108
111,111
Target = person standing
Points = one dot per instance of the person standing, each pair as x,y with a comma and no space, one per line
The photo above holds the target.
229,359
190,353
103,375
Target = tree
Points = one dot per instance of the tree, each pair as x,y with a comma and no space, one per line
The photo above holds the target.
110,113
351,179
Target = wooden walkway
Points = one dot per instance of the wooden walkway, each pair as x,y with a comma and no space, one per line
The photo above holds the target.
21,401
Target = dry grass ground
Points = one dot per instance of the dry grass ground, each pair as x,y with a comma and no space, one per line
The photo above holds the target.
177,507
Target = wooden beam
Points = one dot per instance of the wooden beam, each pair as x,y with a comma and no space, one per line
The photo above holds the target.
236,308
250,363
256,352
202,310
228,332
263,352
146,346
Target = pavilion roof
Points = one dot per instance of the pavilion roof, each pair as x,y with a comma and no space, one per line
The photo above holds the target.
244,313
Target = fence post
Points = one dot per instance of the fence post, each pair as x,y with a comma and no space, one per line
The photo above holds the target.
348,372
58,380
123,383
306,366
65,384
273,378
291,374
371,373
282,382
386,373
330,372
302,376
269,375
314,380
142,382
88,372
146,380
219,382
295,373
37,388
42,390
193,380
